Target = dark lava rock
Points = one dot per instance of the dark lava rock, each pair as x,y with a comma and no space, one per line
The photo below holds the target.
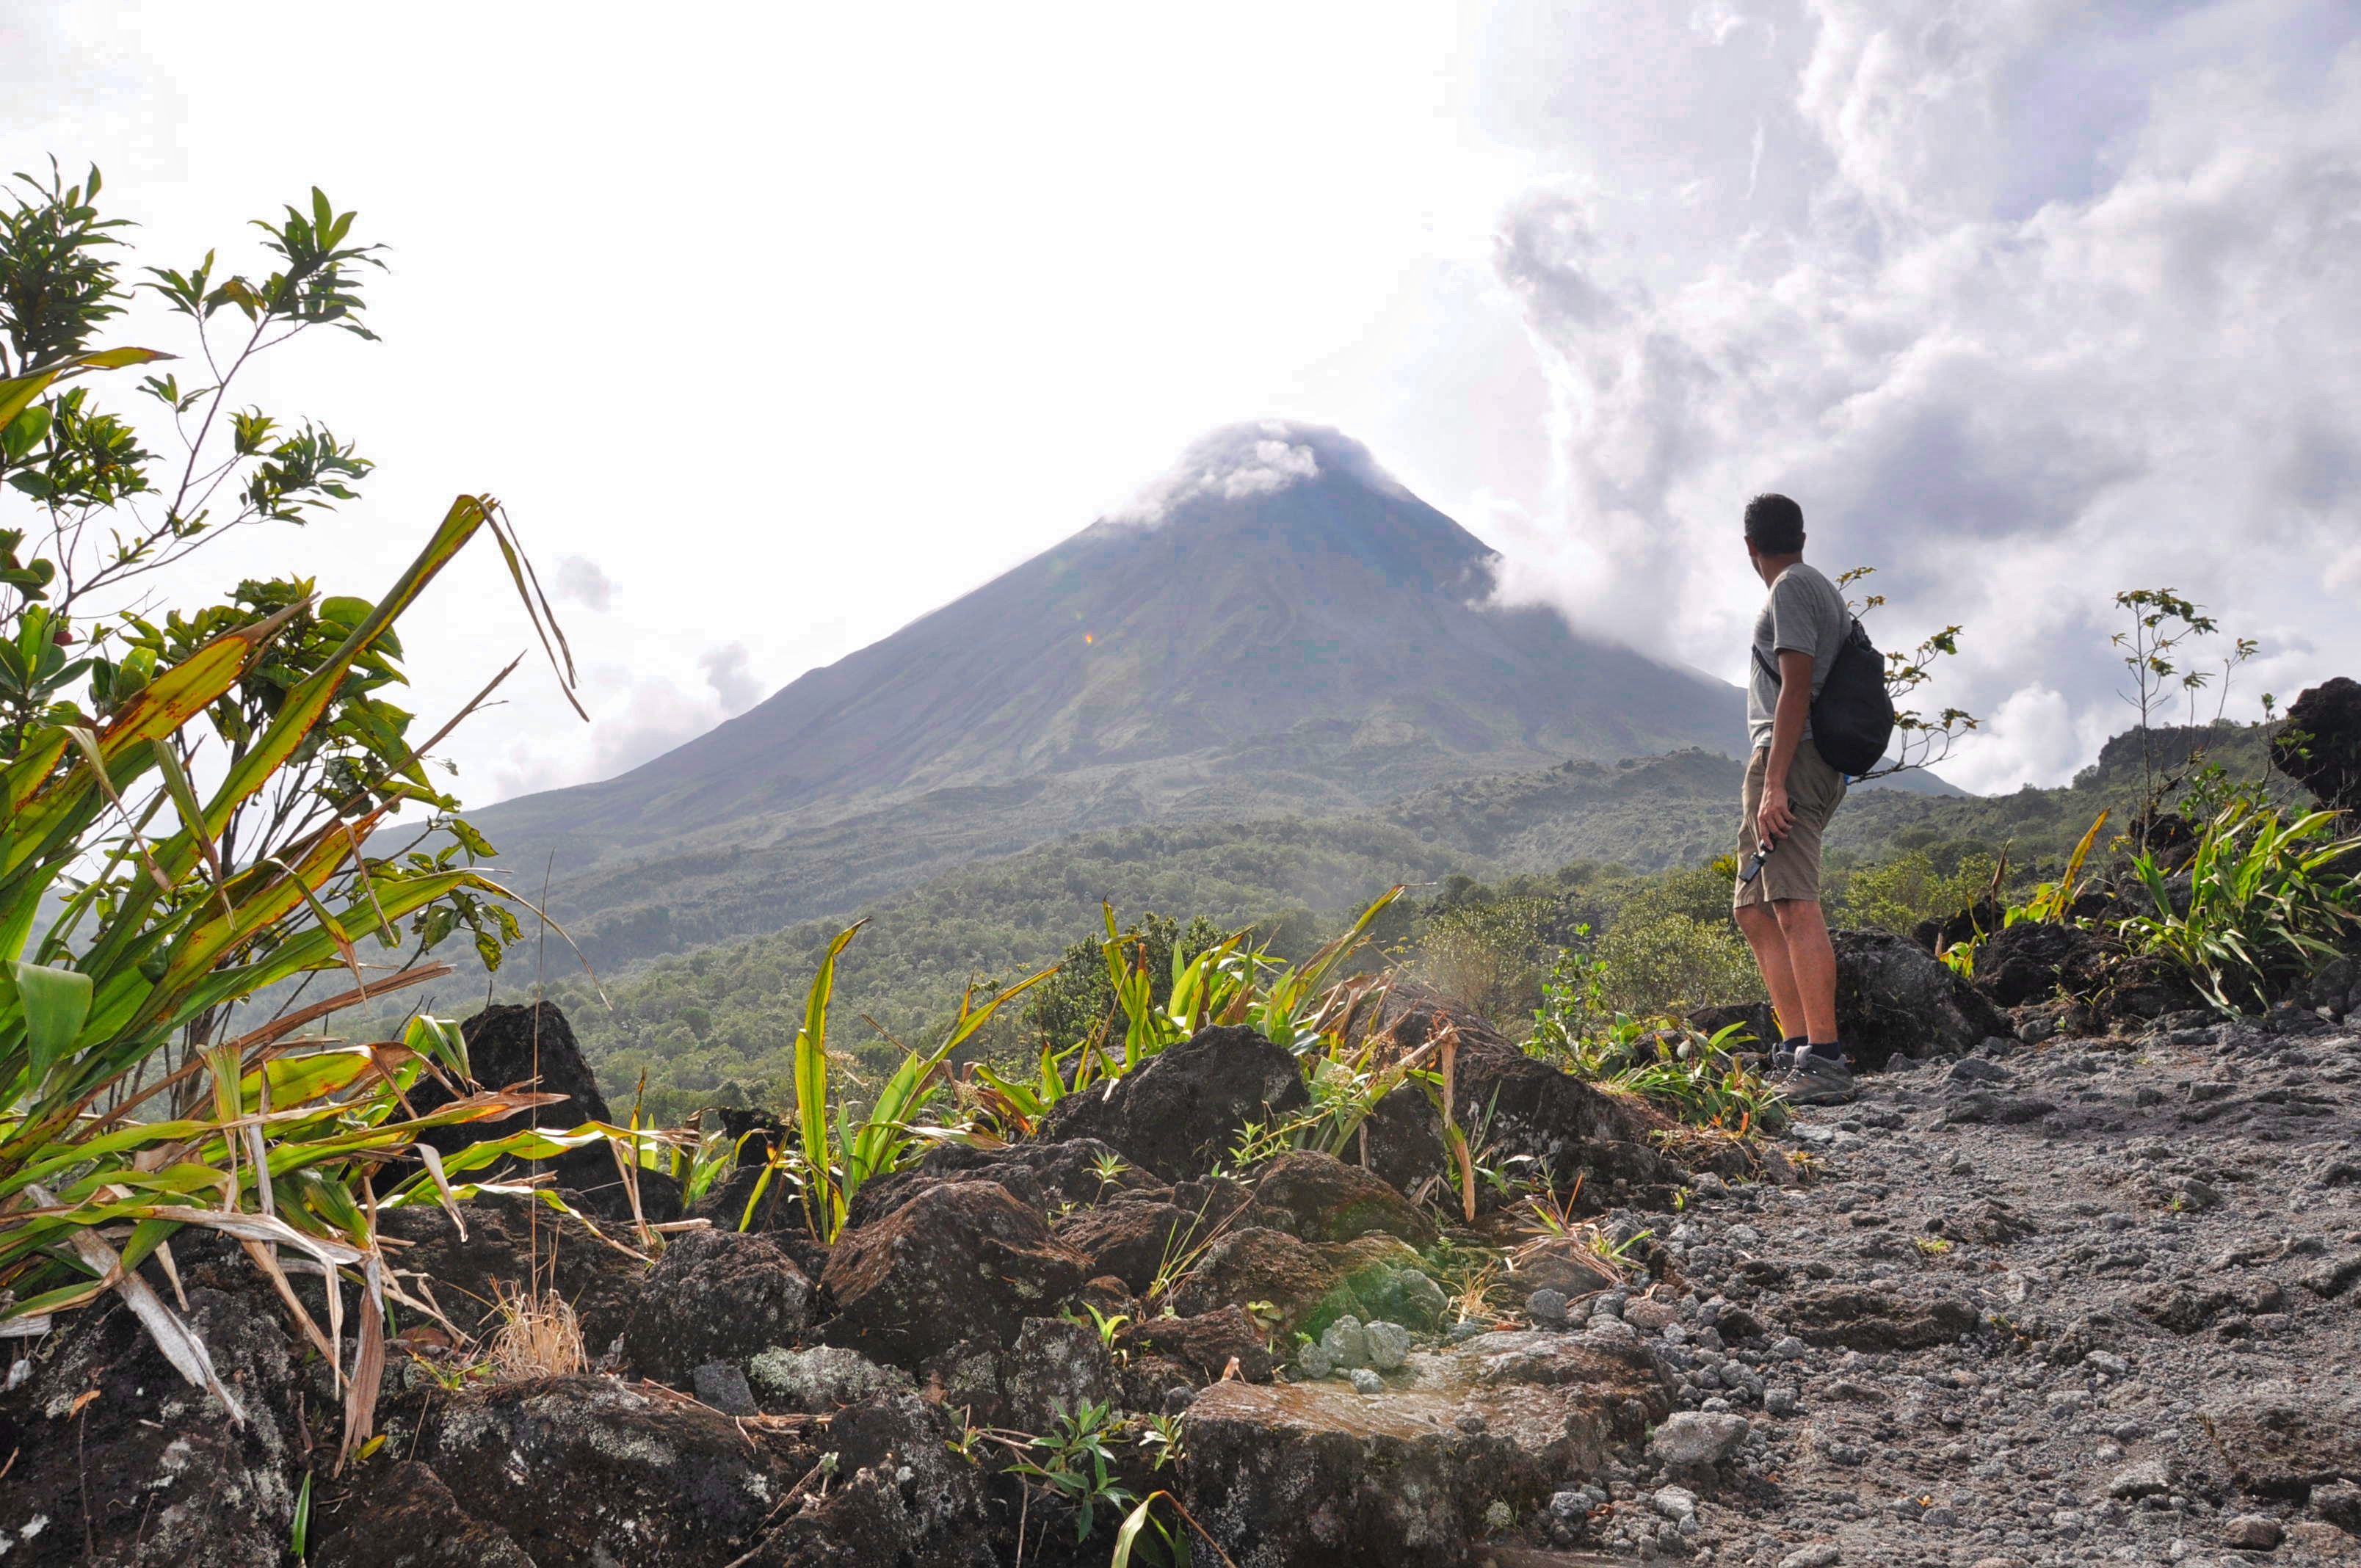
1039,1175
402,1516
723,1384
1872,1319
956,1262
820,1379
2339,1503
1056,1364
1526,1107
150,1467
1991,1108
2025,962
510,1244
1256,1264
531,1045
2320,747
1567,1268
1180,1114
2281,1438
1893,999
715,1296
1207,1343
1320,1199
1134,1238
901,1497
585,1470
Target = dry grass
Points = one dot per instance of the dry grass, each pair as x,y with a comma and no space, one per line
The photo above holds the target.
538,1337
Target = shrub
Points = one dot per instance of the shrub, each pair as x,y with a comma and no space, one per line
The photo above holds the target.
1668,963
1913,887
2269,900
1486,955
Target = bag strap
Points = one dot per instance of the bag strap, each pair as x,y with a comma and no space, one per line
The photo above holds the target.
1772,670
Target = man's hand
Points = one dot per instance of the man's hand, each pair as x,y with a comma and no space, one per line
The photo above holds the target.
1774,817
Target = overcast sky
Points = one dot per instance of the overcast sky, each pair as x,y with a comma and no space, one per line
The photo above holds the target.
778,325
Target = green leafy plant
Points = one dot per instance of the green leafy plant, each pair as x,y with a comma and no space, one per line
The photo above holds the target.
1167,1545
1229,983
299,1534
1164,1436
838,1152
188,806
2269,899
1074,1466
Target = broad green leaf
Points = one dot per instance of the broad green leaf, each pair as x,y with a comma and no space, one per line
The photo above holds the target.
54,1002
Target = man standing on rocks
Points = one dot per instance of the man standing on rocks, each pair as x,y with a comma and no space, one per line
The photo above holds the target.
1790,793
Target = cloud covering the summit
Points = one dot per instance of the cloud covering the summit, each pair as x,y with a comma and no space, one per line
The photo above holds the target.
1255,457
2025,303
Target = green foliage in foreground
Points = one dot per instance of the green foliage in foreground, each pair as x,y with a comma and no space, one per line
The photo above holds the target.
187,808
2269,899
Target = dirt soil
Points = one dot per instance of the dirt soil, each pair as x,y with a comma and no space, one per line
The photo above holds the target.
2090,1302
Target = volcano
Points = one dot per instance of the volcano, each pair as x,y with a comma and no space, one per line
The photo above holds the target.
1276,628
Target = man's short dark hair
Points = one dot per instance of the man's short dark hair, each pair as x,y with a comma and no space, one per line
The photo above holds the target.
1774,525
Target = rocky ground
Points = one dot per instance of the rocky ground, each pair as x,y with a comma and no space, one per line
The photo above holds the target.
2025,1302
2084,1302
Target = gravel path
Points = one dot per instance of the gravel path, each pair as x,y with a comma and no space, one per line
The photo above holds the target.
2039,1304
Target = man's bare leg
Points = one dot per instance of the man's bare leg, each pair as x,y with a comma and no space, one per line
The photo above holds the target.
1812,964
1761,930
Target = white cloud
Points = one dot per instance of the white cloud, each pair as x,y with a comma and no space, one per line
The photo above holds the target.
728,671
2033,302
1260,457
579,580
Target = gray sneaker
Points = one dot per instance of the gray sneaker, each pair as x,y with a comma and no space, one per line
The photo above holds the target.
1816,1079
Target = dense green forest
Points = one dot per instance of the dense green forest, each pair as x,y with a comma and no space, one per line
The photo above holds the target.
717,1024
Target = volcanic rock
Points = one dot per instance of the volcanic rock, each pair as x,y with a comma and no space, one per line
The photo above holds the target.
1039,1175
715,1296
1893,999
408,1519
1133,1239
1309,1474
1875,1319
1181,1112
512,1243
2282,1439
2025,962
578,1470
1320,1199
962,1261
902,1498
1208,1343
109,1444
533,1047
2320,746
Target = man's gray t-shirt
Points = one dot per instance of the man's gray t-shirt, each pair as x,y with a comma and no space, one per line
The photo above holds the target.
1804,614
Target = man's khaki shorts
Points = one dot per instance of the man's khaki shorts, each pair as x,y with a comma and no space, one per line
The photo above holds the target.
1793,870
